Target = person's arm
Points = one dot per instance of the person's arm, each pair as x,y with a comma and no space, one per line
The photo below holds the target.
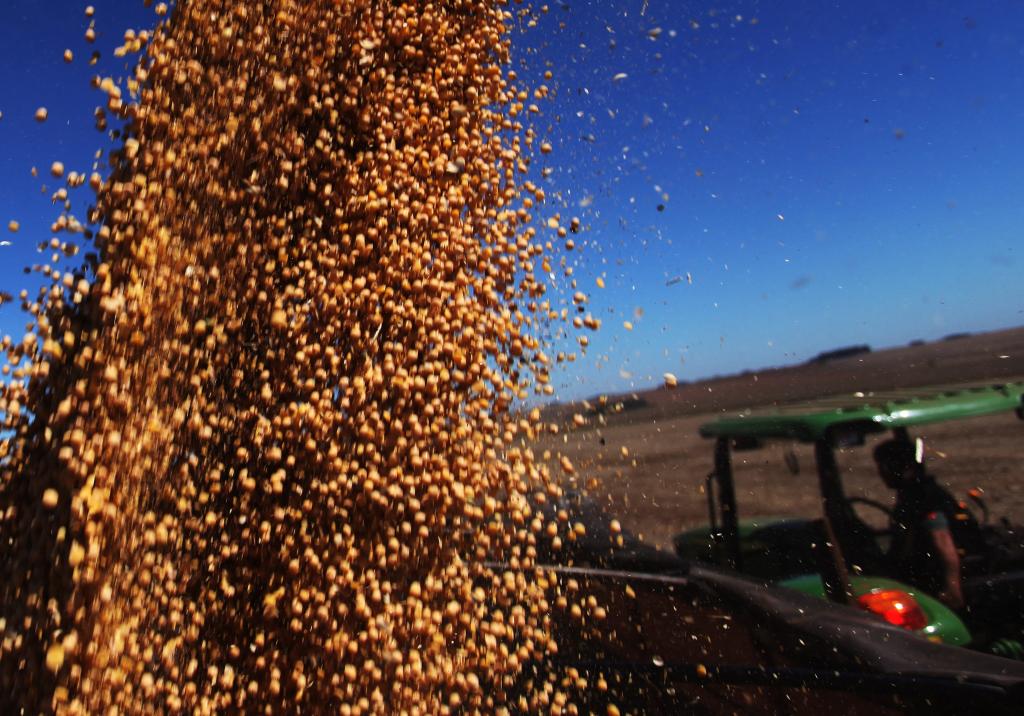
952,594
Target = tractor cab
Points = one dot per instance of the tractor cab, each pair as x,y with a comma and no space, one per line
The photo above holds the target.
842,552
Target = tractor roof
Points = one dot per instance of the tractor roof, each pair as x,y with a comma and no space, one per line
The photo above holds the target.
863,413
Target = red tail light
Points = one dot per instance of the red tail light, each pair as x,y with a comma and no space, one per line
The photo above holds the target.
896,607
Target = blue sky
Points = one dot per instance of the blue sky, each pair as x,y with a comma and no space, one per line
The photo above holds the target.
860,166
33,74
885,135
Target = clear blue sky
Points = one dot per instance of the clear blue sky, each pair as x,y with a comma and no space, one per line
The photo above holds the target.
33,74
886,135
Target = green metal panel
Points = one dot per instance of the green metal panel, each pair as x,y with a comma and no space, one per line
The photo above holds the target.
865,413
943,624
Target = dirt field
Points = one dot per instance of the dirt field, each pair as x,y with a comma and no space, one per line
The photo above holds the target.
656,484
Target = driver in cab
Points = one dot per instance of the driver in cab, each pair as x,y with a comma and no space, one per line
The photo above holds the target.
923,550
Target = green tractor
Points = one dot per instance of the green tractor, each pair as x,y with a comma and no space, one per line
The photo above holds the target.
838,555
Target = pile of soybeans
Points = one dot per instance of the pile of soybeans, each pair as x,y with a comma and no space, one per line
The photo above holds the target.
261,446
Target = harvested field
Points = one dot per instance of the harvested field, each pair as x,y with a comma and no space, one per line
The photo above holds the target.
656,485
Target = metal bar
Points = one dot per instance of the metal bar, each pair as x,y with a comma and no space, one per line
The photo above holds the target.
727,503
834,575
709,489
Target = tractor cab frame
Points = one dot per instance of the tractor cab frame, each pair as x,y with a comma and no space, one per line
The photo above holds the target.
839,541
